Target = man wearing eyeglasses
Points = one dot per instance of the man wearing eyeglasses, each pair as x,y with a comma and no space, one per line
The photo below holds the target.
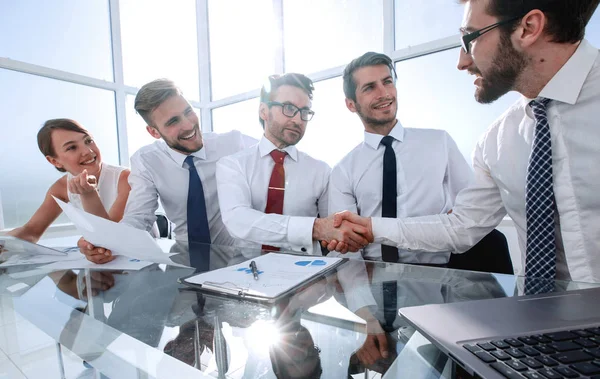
271,194
538,162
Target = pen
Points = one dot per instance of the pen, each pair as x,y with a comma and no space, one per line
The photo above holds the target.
254,270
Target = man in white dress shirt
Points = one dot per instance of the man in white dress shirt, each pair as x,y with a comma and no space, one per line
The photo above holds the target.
427,170
537,49
271,194
162,169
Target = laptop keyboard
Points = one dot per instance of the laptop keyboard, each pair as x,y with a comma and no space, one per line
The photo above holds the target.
569,354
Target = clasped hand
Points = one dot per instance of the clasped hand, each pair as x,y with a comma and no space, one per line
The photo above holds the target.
354,232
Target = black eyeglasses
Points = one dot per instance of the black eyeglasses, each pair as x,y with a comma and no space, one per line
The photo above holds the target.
290,110
468,38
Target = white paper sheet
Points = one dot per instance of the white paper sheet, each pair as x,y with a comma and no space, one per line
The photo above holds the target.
277,274
29,258
120,239
13,245
120,262
17,252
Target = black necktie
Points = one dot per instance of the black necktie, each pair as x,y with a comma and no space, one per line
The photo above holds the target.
197,221
390,304
389,205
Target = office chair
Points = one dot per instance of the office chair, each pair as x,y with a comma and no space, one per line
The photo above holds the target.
165,228
491,254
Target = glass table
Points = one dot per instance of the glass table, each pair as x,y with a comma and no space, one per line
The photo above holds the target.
143,323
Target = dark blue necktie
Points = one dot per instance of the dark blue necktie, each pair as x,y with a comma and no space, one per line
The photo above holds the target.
197,220
390,304
389,203
539,206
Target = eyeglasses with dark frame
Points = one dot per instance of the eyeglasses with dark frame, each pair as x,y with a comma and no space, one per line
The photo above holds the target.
466,39
290,110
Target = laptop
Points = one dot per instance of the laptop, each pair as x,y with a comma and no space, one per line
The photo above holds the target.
554,335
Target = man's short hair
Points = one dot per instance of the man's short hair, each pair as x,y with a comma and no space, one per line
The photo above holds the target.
365,60
567,19
290,79
152,95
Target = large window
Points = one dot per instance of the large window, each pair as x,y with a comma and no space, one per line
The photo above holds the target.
334,130
159,40
242,42
592,32
242,116
87,59
419,22
26,175
433,93
67,35
320,34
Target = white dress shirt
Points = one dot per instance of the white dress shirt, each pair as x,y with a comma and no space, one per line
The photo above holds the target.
243,181
500,161
159,171
431,171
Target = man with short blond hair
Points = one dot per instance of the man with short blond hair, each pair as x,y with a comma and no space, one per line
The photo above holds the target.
179,169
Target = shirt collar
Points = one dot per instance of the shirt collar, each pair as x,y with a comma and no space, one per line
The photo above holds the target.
265,147
179,158
374,140
566,84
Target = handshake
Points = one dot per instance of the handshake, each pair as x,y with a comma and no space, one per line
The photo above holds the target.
344,231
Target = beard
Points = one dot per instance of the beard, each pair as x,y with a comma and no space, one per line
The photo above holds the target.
372,121
502,76
175,145
276,130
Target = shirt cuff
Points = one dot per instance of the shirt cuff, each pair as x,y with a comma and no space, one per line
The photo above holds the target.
299,233
385,230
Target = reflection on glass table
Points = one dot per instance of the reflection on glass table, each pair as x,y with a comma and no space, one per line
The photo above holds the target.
344,323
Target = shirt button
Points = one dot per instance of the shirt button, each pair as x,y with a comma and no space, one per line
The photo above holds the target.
303,250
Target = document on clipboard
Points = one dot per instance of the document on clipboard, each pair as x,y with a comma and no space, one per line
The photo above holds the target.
278,274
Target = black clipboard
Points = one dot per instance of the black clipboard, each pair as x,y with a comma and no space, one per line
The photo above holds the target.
231,290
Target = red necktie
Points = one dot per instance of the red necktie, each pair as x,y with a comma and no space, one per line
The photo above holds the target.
276,189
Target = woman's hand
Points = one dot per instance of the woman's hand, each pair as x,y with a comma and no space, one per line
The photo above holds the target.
82,184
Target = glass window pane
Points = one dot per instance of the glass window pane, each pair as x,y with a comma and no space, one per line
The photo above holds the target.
30,102
433,93
253,41
159,40
592,32
137,135
424,21
334,130
320,34
242,116
68,35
